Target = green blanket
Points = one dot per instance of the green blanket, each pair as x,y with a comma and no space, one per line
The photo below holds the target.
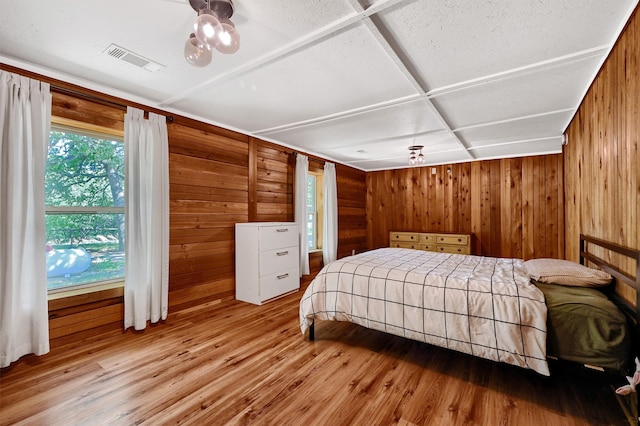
584,326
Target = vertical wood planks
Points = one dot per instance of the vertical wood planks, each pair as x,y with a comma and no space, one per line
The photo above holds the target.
512,207
352,208
602,159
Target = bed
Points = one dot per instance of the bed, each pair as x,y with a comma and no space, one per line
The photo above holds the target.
482,306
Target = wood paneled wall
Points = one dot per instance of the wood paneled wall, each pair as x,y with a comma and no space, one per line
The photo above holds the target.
511,207
209,183
602,160
352,207
271,184
217,178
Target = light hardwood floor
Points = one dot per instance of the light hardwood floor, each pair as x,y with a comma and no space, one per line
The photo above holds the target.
237,363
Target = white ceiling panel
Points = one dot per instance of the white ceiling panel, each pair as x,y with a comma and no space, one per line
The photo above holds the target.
273,23
356,81
264,28
407,118
548,89
330,76
519,149
396,151
397,147
454,156
60,38
453,41
540,127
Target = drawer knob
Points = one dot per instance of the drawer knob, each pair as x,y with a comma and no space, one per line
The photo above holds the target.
459,240
283,276
282,230
283,253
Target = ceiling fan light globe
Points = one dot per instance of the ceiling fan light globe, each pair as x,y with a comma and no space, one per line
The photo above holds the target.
207,28
195,53
228,39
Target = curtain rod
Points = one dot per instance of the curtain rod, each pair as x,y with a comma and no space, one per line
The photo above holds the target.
63,87
91,97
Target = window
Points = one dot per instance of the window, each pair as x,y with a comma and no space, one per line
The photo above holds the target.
314,210
84,198
312,226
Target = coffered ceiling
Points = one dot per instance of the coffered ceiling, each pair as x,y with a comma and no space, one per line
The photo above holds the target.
355,81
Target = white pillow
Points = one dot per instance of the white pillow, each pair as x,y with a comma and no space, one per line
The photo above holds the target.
565,272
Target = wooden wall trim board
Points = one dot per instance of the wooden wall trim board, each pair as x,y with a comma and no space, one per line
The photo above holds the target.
602,158
253,180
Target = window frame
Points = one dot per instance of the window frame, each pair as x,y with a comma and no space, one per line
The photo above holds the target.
61,124
319,208
312,217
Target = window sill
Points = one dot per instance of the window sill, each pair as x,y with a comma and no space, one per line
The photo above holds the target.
80,296
315,251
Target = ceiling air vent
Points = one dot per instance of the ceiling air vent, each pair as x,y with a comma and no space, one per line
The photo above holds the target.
133,58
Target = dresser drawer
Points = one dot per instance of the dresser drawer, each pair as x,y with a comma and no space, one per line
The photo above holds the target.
427,238
278,283
462,240
403,237
453,249
404,244
273,237
431,241
278,259
427,247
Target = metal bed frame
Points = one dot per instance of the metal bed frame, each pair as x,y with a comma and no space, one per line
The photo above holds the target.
632,312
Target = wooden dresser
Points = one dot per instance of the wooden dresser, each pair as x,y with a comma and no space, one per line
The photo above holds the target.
442,242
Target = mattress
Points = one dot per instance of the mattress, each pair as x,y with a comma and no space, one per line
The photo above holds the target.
482,306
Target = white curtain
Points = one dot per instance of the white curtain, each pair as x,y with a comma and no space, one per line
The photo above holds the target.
146,283
25,122
302,172
330,218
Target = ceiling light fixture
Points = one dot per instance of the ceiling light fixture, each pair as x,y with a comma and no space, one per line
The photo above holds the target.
212,29
413,159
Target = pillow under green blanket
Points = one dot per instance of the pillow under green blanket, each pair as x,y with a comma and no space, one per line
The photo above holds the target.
584,326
